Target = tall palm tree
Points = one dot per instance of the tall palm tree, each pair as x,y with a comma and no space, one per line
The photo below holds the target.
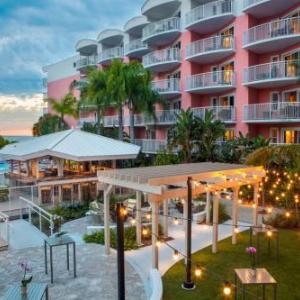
210,131
116,91
65,106
183,134
94,94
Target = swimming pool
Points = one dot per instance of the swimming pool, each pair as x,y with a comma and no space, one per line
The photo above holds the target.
3,167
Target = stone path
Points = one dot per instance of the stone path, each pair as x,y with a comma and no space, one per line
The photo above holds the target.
97,274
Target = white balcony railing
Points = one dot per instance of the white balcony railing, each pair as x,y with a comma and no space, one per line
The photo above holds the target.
272,71
209,10
111,53
171,85
281,111
272,30
210,80
135,45
86,61
162,56
212,44
151,146
222,113
111,121
160,27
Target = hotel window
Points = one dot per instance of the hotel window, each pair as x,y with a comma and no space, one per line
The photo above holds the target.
291,64
228,70
291,136
227,37
275,100
227,101
229,135
292,96
151,134
274,135
177,105
214,101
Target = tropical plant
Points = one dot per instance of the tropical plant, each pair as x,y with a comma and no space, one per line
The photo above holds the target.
165,158
65,106
48,124
183,135
3,142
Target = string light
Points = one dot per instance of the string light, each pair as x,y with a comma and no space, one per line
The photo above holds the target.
175,255
158,244
133,221
287,214
236,229
269,233
198,271
148,216
227,288
269,210
176,221
124,211
145,231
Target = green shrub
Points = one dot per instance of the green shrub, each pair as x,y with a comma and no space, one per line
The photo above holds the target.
4,192
70,212
223,216
281,221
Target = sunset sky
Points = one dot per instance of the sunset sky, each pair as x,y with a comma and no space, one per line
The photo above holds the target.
36,33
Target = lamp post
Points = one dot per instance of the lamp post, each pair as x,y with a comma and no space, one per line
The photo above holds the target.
120,251
188,284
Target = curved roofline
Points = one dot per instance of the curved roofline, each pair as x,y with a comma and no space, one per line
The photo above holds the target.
120,31
88,41
136,17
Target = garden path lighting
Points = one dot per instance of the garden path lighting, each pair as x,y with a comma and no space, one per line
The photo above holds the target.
176,221
198,271
227,288
175,255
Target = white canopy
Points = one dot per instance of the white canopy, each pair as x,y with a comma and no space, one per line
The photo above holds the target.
71,144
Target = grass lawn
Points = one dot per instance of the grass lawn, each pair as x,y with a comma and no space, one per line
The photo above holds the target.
209,287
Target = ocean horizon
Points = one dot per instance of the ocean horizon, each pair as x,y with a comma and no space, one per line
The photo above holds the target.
18,138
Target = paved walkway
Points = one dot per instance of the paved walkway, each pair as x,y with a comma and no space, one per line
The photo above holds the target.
97,274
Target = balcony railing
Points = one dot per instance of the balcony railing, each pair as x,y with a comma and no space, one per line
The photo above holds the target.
268,112
151,146
210,80
162,56
272,71
110,54
111,121
86,61
171,85
209,10
160,27
135,45
212,44
222,113
272,30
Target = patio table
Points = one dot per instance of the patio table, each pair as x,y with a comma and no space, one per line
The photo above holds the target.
247,278
54,241
36,291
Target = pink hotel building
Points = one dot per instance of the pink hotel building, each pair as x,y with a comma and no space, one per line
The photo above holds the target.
239,58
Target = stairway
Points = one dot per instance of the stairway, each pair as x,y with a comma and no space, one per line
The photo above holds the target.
3,245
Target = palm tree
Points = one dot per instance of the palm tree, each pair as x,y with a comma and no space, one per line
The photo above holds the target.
65,106
94,94
183,134
210,131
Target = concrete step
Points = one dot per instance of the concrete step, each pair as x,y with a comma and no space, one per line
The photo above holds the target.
3,245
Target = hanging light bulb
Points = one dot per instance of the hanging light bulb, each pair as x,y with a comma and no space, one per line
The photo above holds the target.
287,214
269,233
296,200
176,221
269,210
145,231
133,221
198,271
236,229
240,201
158,244
148,216
123,211
282,194
175,255
227,288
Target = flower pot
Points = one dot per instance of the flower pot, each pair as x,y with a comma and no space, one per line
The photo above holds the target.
23,290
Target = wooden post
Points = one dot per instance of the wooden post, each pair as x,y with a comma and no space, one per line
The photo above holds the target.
107,193
207,208
255,204
185,216
139,218
235,214
166,218
216,203
79,193
59,193
155,206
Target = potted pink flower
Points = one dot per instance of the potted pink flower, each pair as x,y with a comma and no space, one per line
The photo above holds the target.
252,252
26,279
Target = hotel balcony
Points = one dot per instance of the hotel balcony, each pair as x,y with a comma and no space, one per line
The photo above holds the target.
167,88
211,49
108,55
110,38
89,120
85,62
213,82
160,9
111,121
136,49
162,60
151,146
271,75
162,33
281,112
273,36
134,27
266,8
226,114
210,17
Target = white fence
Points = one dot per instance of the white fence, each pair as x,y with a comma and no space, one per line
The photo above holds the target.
112,53
162,56
135,45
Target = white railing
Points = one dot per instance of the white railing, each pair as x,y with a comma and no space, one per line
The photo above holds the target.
272,30
111,121
31,207
86,61
248,3
162,56
212,44
111,53
209,10
86,120
222,113
162,26
151,146
171,85
135,45
272,71
4,227
212,79
272,111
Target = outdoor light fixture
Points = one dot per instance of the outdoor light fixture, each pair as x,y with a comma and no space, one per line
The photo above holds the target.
123,211
158,244
133,222
269,233
176,221
227,288
198,271
236,229
145,231
269,210
176,255
148,216
240,201
287,214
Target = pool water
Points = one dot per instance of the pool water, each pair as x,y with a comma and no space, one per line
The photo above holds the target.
3,167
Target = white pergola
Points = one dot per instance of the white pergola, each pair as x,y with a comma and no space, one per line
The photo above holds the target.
162,183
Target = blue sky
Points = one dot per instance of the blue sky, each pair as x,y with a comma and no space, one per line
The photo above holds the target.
34,33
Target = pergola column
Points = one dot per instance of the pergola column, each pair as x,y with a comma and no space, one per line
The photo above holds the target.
155,211
79,193
207,208
60,167
139,218
166,218
216,204
39,195
185,216
107,192
235,214
59,193
255,205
